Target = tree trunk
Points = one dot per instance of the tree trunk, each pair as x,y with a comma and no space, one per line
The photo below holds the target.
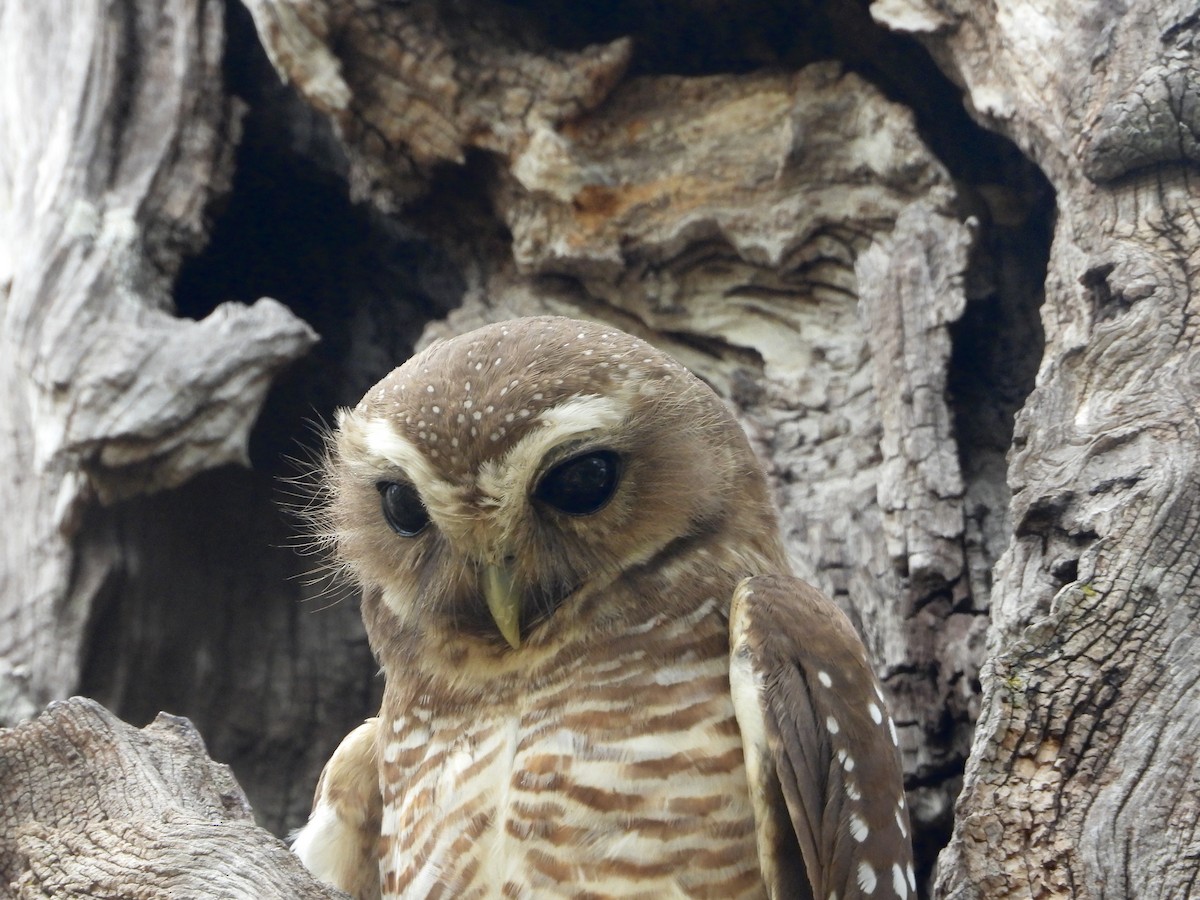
1082,778
789,197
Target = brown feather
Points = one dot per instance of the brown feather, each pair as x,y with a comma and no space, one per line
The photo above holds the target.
340,842
831,753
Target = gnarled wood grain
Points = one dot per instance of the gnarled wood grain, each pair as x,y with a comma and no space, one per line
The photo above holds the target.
412,85
1083,778
90,806
116,135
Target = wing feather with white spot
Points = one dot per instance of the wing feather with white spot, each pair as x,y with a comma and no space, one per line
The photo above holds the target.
820,748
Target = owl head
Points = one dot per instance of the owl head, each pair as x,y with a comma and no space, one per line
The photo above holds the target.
499,482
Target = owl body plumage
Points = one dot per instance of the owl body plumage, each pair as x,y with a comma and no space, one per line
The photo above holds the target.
553,524
634,789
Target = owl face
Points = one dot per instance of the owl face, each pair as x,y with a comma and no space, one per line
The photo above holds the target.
505,476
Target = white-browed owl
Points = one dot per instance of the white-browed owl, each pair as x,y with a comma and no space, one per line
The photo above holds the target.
601,678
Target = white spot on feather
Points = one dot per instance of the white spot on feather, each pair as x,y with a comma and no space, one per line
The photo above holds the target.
866,878
831,725
876,713
898,884
858,828
824,678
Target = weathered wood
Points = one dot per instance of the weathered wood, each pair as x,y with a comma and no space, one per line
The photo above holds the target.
90,806
413,85
115,136
1082,780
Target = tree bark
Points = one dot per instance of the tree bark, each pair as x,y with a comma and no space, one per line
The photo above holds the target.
94,808
117,135
790,198
1082,779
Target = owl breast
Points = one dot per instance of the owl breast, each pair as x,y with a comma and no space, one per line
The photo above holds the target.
609,770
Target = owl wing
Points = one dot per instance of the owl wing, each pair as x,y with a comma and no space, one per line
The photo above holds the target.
339,844
821,752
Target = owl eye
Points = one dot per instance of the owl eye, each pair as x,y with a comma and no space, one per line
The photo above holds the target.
402,507
582,485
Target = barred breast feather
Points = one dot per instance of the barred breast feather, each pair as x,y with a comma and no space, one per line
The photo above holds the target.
611,773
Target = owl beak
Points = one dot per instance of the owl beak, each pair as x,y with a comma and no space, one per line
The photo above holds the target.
504,602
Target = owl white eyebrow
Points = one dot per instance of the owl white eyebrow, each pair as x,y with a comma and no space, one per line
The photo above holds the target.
382,442
508,477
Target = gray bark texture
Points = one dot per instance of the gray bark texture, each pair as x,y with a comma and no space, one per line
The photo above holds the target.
92,807
937,256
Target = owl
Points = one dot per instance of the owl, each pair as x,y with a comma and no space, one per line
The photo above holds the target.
601,678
